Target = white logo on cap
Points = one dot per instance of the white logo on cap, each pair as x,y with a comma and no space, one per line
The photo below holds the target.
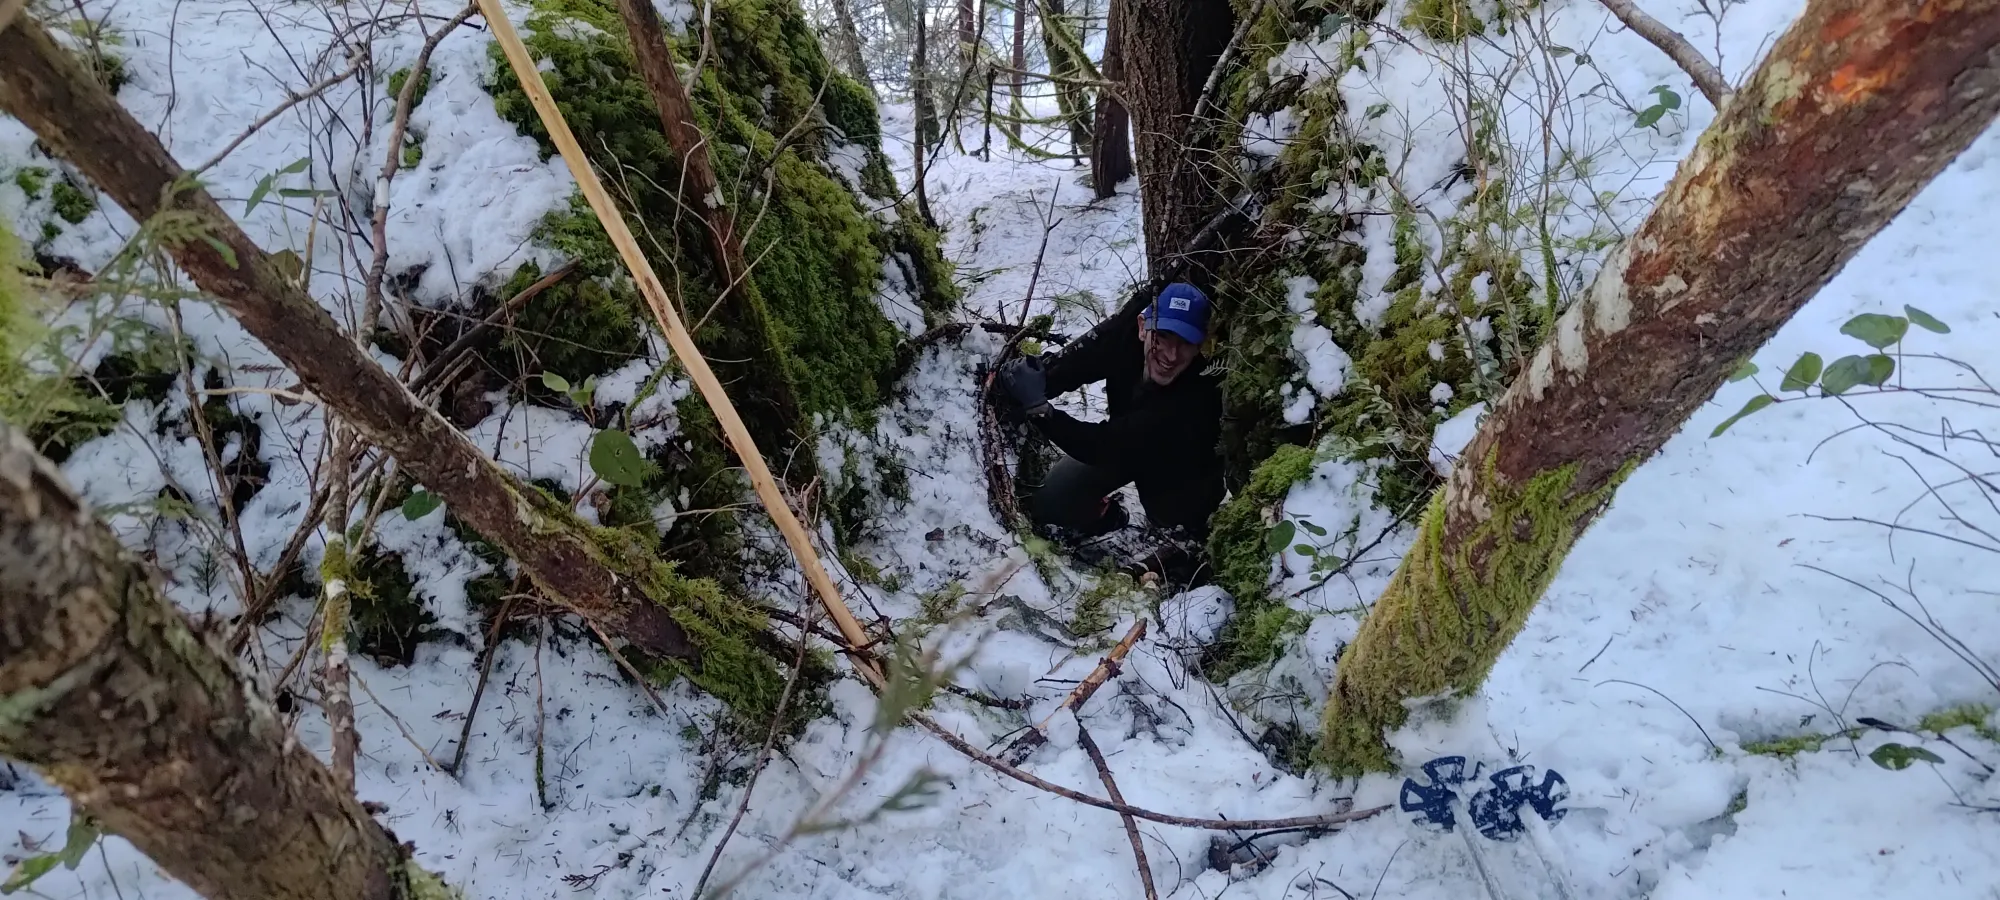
1177,303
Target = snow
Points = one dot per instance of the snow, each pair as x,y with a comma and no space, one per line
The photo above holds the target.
1684,626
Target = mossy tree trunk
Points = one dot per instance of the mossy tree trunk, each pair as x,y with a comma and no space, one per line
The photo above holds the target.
1019,59
591,571
1061,39
1111,145
1859,105
150,729
762,374
1168,49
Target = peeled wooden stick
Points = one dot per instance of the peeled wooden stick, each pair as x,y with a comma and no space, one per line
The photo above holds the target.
678,337
1017,752
1131,824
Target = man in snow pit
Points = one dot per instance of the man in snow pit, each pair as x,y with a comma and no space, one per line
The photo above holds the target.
1161,432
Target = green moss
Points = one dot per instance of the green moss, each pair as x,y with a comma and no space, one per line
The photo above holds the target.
850,108
32,180
401,77
1788,747
1236,533
941,603
1444,21
1738,803
1097,607
580,327
72,202
413,152
387,621
1976,716
1253,637
1453,606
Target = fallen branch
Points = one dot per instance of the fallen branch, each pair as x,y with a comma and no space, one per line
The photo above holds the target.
1111,788
1018,751
485,672
1707,78
1322,821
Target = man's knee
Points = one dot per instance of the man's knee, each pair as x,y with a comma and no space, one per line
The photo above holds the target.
1071,495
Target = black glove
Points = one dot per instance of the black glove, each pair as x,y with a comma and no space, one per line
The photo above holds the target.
1025,382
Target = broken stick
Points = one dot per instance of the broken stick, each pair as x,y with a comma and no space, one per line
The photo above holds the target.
1017,752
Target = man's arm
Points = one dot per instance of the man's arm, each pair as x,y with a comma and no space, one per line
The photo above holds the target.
1158,434
1089,358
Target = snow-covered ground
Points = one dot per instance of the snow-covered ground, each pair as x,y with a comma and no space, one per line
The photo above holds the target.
1685,625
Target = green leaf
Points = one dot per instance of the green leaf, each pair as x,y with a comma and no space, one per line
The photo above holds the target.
616,459
420,504
555,382
1376,111
1668,98
257,193
1306,550
303,192
1879,369
82,834
1315,530
1280,536
1332,23
1651,114
1756,403
29,869
299,165
1897,757
1926,321
1876,330
1803,373
228,254
1843,375
1558,51
1743,371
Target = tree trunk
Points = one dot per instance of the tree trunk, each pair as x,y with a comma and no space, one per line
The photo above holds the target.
1020,57
1169,47
152,731
928,130
1859,105
968,32
701,192
850,44
593,572
1111,145
1061,42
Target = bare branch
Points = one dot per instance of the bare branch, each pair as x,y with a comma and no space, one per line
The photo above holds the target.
1675,45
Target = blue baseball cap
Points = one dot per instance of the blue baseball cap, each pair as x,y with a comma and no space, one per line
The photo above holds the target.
1182,309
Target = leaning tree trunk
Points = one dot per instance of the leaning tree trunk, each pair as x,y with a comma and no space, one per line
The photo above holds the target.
1168,49
151,730
1111,146
1859,105
775,418
850,44
593,572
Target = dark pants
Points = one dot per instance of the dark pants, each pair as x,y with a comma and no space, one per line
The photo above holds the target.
1073,497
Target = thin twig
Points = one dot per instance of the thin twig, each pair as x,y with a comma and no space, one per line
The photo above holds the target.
763,756
1111,788
1690,716
291,99
404,729
472,336
485,672
1017,752
979,756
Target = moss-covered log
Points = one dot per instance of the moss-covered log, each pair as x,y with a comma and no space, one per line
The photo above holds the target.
1859,105
599,573
152,731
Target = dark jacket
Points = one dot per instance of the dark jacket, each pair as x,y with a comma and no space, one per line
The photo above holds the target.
1163,437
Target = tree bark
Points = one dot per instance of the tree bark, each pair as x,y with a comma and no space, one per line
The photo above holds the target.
1169,47
1111,145
701,192
1858,106
928,130
968,32
43,86
850,44
150,729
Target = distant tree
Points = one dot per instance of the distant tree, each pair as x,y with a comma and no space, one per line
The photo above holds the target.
1111,145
